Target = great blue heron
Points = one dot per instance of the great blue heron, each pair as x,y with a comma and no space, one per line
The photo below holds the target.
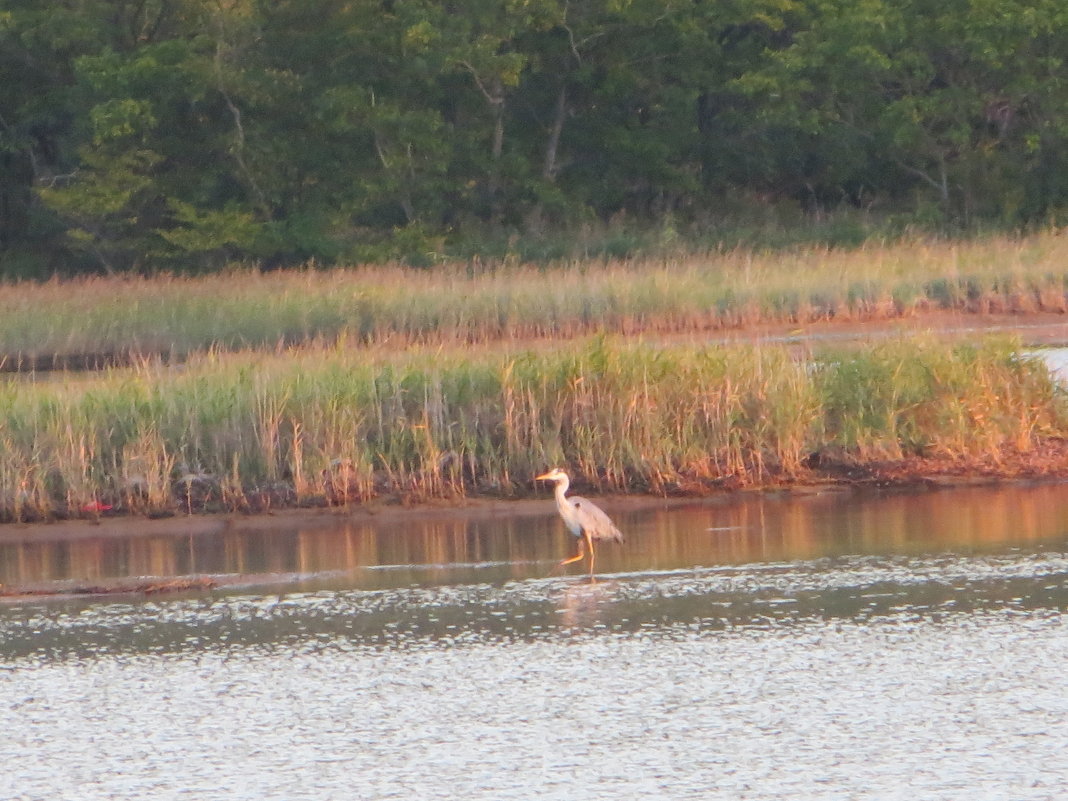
584,520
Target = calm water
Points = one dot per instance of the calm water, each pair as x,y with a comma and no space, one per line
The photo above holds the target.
824,647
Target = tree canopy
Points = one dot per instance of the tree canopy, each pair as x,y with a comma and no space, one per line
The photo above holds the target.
185,134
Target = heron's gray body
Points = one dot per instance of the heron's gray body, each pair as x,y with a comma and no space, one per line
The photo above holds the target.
583,517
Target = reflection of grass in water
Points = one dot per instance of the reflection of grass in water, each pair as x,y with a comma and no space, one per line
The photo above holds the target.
242,430
458,304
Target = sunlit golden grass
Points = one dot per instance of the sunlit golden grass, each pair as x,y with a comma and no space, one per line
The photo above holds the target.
341,425
247,309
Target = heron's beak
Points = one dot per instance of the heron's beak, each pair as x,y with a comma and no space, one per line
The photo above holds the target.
543,477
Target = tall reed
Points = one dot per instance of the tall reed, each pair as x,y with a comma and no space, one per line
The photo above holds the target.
244,431
478,303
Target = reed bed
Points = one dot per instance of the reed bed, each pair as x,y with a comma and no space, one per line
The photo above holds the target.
249,431
116,318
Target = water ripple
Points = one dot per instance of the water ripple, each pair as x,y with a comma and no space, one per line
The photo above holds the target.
903,706
879,676
848,588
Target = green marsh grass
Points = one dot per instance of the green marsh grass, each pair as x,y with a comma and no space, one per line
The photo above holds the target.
341,425
244,308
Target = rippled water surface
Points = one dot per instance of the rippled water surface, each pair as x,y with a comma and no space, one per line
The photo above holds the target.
831,646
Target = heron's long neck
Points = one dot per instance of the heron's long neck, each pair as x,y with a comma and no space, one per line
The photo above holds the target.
561,487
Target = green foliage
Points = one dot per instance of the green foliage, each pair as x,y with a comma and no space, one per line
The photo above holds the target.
182,135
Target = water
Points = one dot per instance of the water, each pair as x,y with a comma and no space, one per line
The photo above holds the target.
831,646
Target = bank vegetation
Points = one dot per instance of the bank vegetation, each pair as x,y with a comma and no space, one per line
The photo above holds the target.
89,322
251,431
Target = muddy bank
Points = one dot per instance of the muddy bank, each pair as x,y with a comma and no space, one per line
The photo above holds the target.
1035,329
118,586
1038,328
80,362
823,472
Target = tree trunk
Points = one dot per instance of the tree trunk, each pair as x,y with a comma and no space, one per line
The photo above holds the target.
498,129
494,185
550,167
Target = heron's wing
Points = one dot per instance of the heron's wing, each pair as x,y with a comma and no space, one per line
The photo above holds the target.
593,520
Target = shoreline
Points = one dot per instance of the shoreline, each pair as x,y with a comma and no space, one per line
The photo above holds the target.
1035,329
1046,463
1043,465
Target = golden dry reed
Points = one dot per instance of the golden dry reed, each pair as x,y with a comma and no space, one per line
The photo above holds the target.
344,425
244,308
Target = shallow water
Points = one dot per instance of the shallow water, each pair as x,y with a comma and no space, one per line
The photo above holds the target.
824,647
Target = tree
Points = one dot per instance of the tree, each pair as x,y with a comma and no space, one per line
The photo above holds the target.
183,134
947,99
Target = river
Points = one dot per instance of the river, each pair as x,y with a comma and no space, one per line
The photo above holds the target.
818,646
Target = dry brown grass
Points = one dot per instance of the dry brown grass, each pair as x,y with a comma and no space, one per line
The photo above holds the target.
115,317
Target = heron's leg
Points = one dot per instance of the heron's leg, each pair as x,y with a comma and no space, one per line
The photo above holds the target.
581,554
589,541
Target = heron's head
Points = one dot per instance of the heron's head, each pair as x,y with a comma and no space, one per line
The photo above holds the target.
556,474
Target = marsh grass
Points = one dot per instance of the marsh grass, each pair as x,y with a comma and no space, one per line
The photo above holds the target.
470,303
252,430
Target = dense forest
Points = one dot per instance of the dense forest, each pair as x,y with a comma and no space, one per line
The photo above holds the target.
138,135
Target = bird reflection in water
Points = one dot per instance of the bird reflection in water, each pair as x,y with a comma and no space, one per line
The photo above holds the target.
582,606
